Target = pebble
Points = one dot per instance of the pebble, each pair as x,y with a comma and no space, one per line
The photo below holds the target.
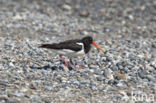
48,88
35,99
142,74
151,78
121,76
97,71
13,100
106,29
47,67
66,7
56,67
11,64
84,13
114,68
120,84
108,74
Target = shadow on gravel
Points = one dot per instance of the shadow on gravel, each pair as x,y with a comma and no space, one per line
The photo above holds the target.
47,67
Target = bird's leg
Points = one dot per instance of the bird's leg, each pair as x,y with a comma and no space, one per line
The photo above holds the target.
66,63
73,64
81,67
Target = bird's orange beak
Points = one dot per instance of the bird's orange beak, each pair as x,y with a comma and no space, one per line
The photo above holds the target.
96,45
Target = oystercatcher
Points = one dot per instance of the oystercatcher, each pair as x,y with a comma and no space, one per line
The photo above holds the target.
72,48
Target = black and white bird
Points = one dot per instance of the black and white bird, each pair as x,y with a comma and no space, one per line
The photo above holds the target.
72,48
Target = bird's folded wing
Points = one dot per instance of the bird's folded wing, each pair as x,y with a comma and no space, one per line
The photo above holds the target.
70,46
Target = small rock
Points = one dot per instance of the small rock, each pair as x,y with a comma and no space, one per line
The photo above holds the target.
12,100
97,71
142,75
131,17
114,68
18,94
11,64
36,99
106,29
120,84
108,74
93,66
33,86
3,82
66,7
54,67
60,67
3,99
46,67
129,84
121,76
48,88
151,78
84,13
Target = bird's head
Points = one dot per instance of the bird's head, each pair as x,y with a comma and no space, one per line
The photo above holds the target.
89,40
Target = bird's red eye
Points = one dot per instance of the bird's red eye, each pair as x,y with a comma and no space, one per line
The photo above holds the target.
90,39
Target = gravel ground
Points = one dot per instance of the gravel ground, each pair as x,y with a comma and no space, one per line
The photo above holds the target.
125,73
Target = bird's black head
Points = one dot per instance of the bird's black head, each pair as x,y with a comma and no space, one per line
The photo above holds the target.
87,39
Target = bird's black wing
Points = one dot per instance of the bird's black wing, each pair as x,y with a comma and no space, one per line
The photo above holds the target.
70,44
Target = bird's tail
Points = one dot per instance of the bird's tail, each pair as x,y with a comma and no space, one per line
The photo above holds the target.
49,46
45,46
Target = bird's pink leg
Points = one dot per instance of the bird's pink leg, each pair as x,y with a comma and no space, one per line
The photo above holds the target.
82,67
73,64
66,63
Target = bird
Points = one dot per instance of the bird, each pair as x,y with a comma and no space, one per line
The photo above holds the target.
72,48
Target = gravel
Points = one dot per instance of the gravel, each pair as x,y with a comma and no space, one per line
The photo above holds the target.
125,72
